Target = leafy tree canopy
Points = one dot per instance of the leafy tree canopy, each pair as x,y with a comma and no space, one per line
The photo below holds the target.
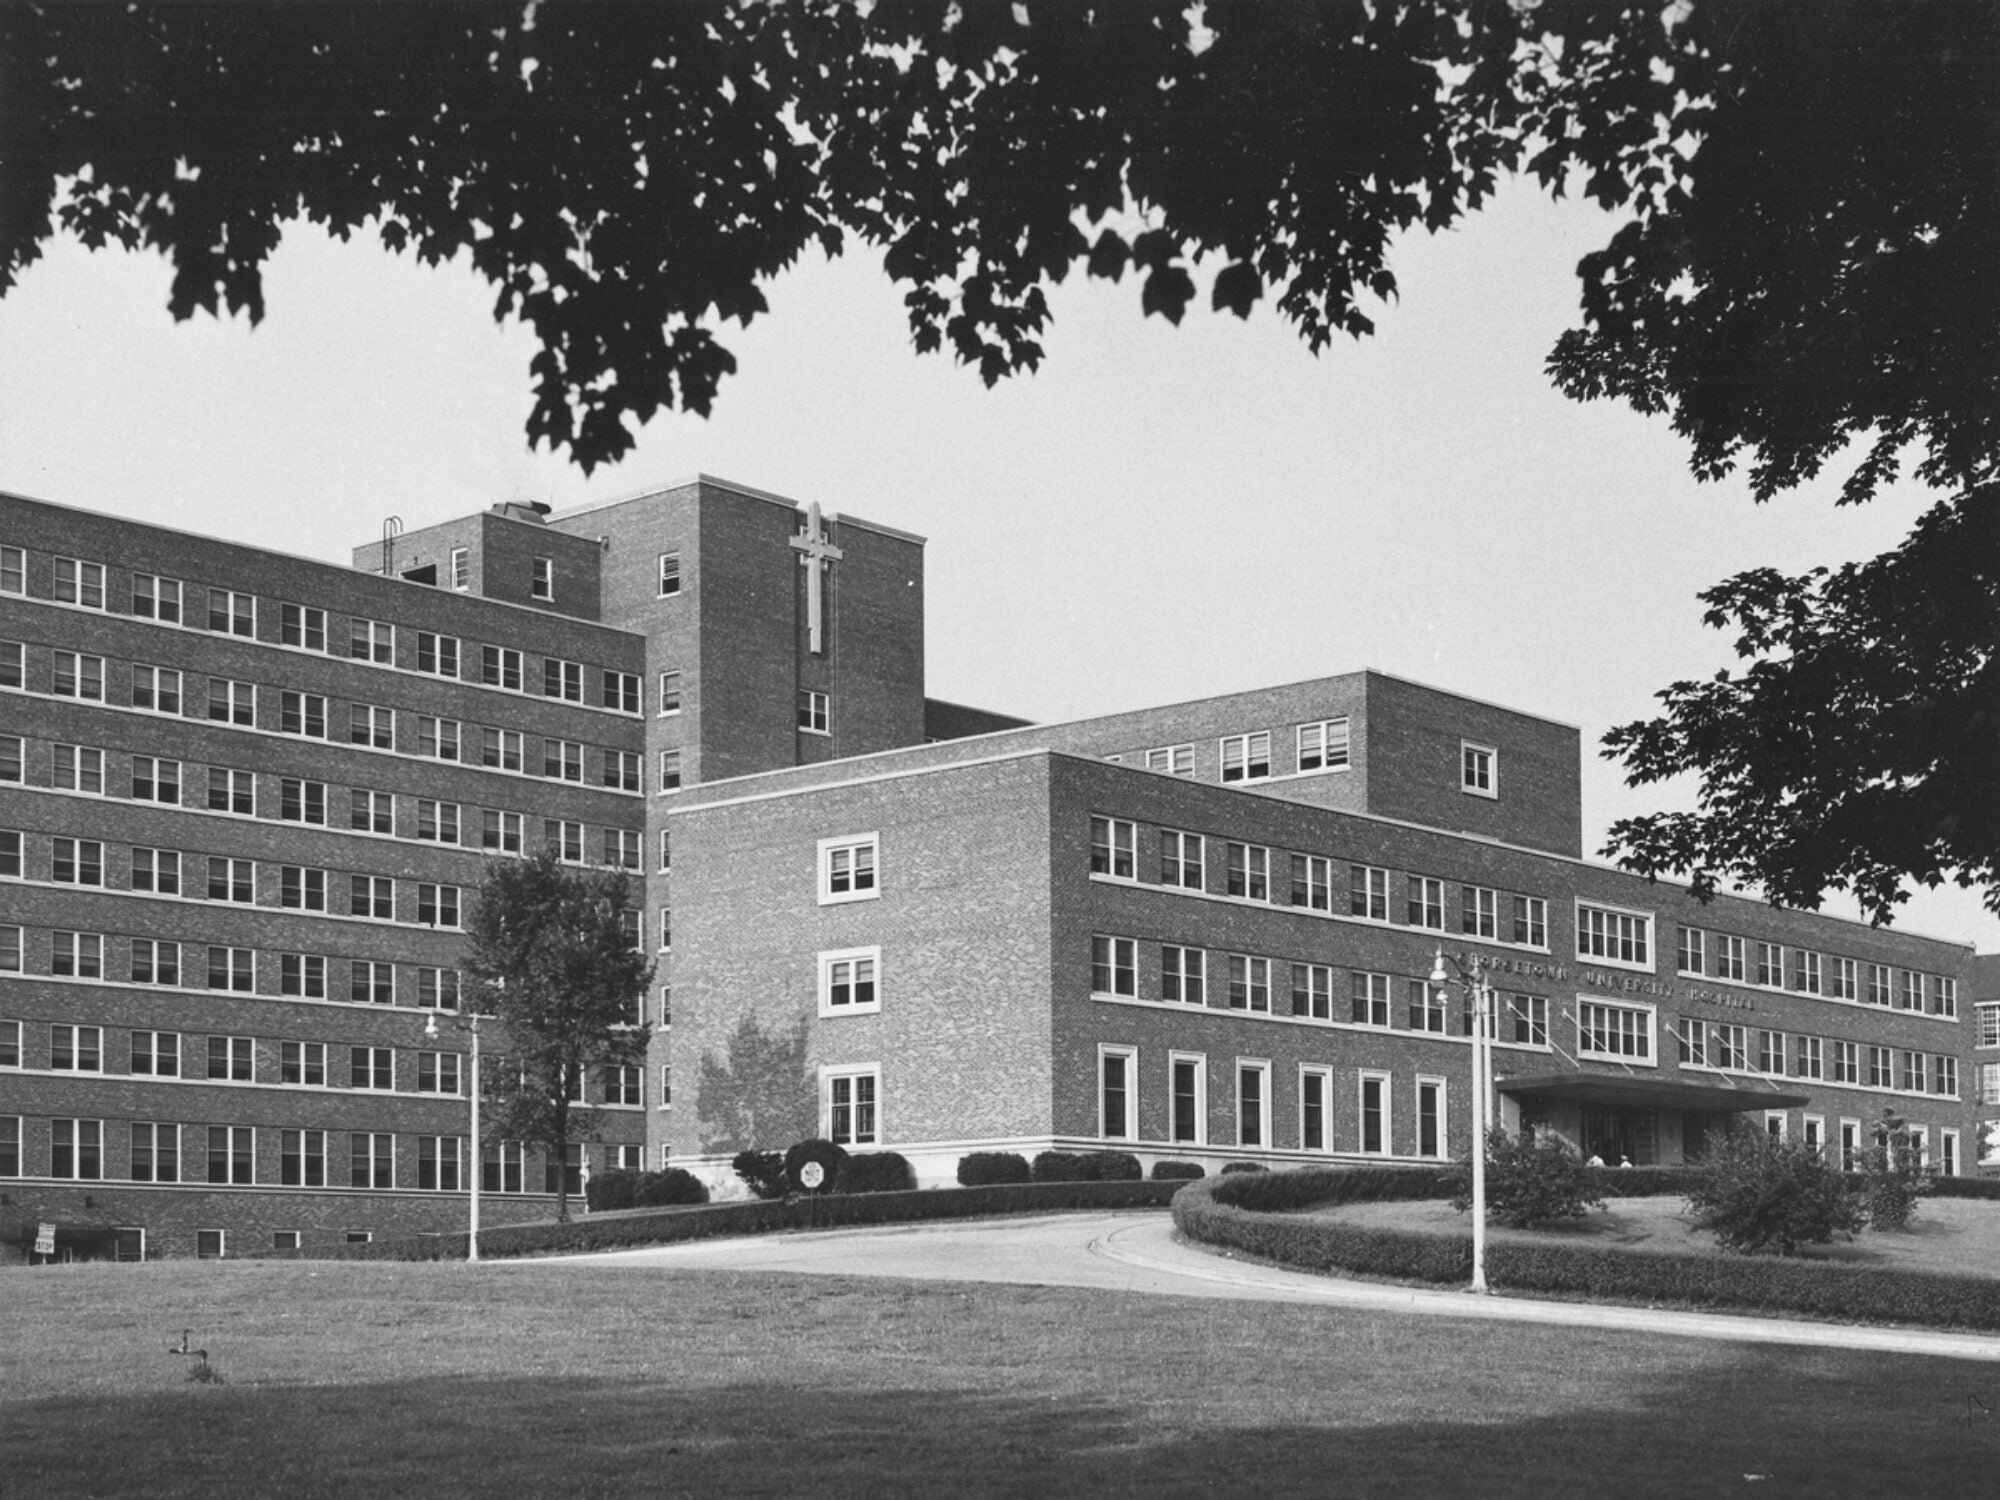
1810,222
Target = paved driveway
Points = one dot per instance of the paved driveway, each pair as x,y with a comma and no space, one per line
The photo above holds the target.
1137,1252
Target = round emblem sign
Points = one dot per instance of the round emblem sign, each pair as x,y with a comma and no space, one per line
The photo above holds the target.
812,1174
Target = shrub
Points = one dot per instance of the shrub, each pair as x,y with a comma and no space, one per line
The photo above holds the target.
1757,1191
1532,1179
1055,1166
1243,1166
763,1172
876,1172
829,1158
989,1168
1313,1187
1893,1174
1087,1166
609,1190
1177,1171
675,1187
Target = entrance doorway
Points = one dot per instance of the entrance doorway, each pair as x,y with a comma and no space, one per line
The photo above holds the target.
1615,1134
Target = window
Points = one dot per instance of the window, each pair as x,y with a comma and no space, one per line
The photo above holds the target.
371,641
562,679
670,770
75,955
1112,841
371,1067
1770,965
155,598
79,768
1188,1101
670,693
850,1104
372,896
437,654
1312,991
155,962
500,830
1315,1108
1616,937
622,1084
1531,921
1881,1072
10,1140
565,838
846,867
1944,1074
371,812
230,1058
848,981
302,1064
437,905
375,727
1531,1019
1180,859
1374,1101
1253,1103
1729,961
76,1150
1368,892
621,848
79,862
78,676
1806,971
13,664
80,583
230,791
500,1172
438,1158
437,821
232,702
231,613
302,1158
1944,995
500,666
500,749
156,689
1878,985
1323,746
1989,1025
302,627
620,691
1691,951
11,768
157,870
438,739
76,1049
1478,911
1430,1117
232,880
1426,902
1247,871
302,975
1113,966
1249,983
666,929
1619,1032
460,568
1771,1052
1246,757
1117,1093
372,1160
1370,999
1175,760
156,1152
541,578
1478,769
621,770
1846,1062
301,888
1808,1057
1426,1006
562,760
437,989
670,574
1914,1071
1312,882
232,1154
210,1244
1948,1153
155,780
812,711
1909,990
1183,975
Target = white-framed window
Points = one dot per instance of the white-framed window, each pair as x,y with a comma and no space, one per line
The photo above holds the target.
1246,757
1614,936
623,1085
850,1104
302,714
1944,1074
12,861
670,694
1729,1047
1247,871
1808,1057
1531,1018
1432,1125
1183,975
76,1049
371,1157
372,896
1249,983
156,1152
847,867
302,1158
1948,1158
1770,1052
1368,893
621,770
1944,995
13,767
850,981
437,654
371,1068
565,837
666,849
79,768
437,905
10,1045
670,574
1770,965
156,962
1690,951
77,675
1478,911
302,627
79,582
1312,991
1881,1073
542,578
78,861
621,848
157,690
1253,1102
1478,769
1323,746
438,1073
232,1154
1807,973
562,679
459,567
1777,1124
1878,985
1112,842
619,691
666,929
562,760
302,975
1729,959
500,749
76,1150
1531,921
302,1064
1372,1099
1187,1103
437,988
1175,760
1114,966
375,726
13,665
232,969
1181,859
371,641
1620,1033
1426,1005
1117,1092
153,597
813,711
231,1059
1315,1108
76,955
371,812
670,770
437,822
1370,999
301,888
500,666
232,613
1312,882
1426,903
1988,1018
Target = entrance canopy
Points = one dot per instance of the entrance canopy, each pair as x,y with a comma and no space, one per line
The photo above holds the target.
1665,1093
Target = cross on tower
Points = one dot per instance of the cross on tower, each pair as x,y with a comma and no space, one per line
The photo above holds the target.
816,554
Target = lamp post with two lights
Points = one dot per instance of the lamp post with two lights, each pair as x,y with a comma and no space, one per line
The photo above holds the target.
470,1023
1479,990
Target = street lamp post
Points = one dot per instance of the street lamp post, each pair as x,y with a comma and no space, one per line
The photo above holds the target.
1480,992
477,1162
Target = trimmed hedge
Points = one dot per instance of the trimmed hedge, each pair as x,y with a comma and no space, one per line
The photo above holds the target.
990,1168
1965,1187
610,1191
763,1172
876,1172
1177,1171
622,1231
1086,1166
1243,1166
829,1158
1249,1214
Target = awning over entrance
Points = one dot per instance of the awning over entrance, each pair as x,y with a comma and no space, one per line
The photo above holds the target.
1665,1093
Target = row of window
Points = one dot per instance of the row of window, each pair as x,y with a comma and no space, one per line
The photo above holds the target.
1322,745
1777,1054
1700,953
231,612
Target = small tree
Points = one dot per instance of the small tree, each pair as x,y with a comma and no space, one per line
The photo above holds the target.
551,959
1894,1174
1757,1191
1533,1179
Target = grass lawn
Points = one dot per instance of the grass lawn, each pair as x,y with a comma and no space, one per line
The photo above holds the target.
530,1381
1956,1235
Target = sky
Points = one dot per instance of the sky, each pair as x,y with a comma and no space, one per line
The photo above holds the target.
1157,514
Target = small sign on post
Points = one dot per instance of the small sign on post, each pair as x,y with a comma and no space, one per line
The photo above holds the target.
811,1175
45,1239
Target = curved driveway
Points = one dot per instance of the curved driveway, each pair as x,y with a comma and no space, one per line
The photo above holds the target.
1138,1252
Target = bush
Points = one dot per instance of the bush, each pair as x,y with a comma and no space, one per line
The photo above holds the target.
610,1190
1243,1166
1757,1191
877,1172
763,1172
1893,1175
1316,1187
1532,1179
827,1156
1086,1166
990,1168
1177,1171
675,1187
